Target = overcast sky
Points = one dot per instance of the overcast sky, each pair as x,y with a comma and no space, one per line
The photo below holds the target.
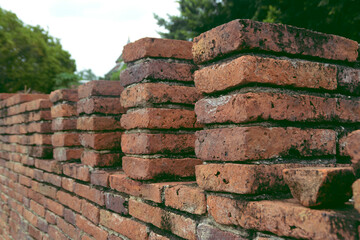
93,31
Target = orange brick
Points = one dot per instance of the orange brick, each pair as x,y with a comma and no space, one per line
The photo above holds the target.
90,211
63,110
69,200
55,207
104,105
92,194
100,88
101,141
100,158
77,171
65,139
66,154
85,225
98,123
69,95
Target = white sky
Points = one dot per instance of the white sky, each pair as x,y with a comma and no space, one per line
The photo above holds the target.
93,31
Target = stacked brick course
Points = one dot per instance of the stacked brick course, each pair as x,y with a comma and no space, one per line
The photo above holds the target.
276,106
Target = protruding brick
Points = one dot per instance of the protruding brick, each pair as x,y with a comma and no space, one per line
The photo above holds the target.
186,198
88,227
154,93
159,118
124,226
155,47
101,141
66,154
100,88
208,232
101,177
90,193
63,110
177,224
116,203
20,98
151,168
100,159
351,147
69,95
98,123
151,143
77,171
319,186
104,105
253,143
64,124
243,35
69,200
349,79
356,194
284,218
90,211
65,139
157,70
252,69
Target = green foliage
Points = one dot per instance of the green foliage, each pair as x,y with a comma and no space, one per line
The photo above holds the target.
329,16
87,74
115,76
31,58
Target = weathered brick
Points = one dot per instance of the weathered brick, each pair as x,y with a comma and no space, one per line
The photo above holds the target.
159,118
65,139
44,189
242,178
39,127
252,143
37,208
66,154
350,146
116,203
249,107
68,229
100,177
101,141
124,226
90,211
77,171
100,105
90,228
349,79
208,232
177,224
20,98
252,69
148,191
63,110
155,236
50,217
152,168
52,179
68,184
243,35
55,207
186,198
100,159
151,143
98,123
356,194
90,193
155,47
55,233
157,70
320,186
284,218
69,95
70,216
64,124
49,166
69,200
100,88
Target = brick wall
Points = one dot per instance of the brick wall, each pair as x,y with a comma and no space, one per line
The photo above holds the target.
248,132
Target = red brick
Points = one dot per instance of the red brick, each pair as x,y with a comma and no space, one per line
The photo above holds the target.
69,95
69,200
63,110
186,198
252,143
70,216
66,154
77,171
37,208
55,233
356,194
49,166
248,107
208,232
98,123
64,124
104,105
100,88
20,98
320,186
30,217
44,189
177,224
148,191
158,70
349,79
151,143
35,233
159,118
52,179
101,141
41,139
41,151
125,226
25,181
116,203
155,236
101,177
350,146
90,211
50,217
92,194
100,159
90,228
284,218
252,69
6,95
68,184
68,229
243,35
152,168
38,104
39,127
65,139
155,47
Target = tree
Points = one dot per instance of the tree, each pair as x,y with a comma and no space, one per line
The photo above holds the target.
87,74
30,57
329,16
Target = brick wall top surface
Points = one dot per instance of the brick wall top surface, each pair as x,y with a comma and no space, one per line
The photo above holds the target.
70,95
6,95
100,88
20,98
155,47
244,35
